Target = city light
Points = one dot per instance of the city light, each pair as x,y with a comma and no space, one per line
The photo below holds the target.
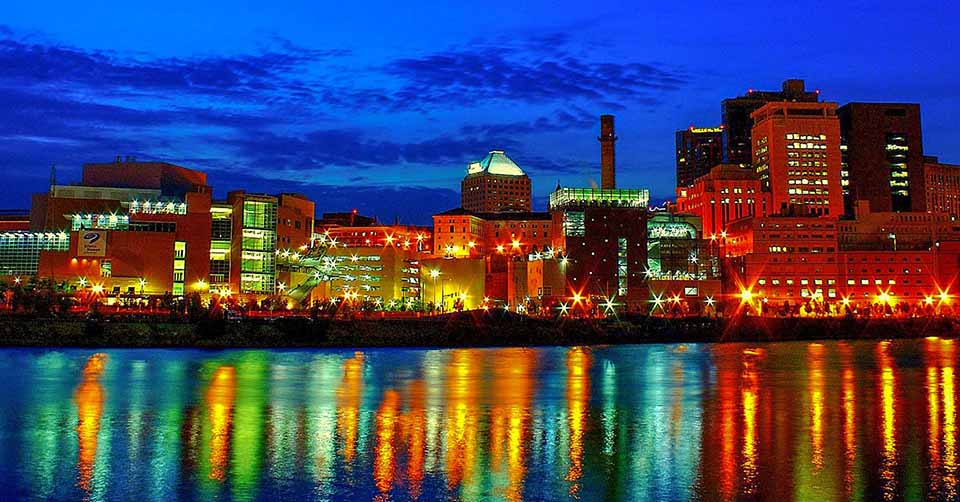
434,273
500,248
746,295
564,309
709,301
82,282
577,298
657,302
609,306
281,286
516,244
97,289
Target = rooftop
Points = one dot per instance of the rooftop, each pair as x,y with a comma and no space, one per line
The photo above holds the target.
496,162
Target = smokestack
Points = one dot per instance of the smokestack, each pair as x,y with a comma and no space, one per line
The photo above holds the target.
608,175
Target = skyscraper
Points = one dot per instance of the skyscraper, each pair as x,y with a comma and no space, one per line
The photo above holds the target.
495,184
796,153
883,156
699,149
735,114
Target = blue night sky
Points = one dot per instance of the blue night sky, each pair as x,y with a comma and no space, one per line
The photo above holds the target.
380,105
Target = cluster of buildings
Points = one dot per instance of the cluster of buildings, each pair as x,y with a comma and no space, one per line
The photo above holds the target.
789,200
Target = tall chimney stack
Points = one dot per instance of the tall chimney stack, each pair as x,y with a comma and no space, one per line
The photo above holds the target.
608,175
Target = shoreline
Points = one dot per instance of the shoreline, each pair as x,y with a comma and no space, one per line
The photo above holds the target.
454,331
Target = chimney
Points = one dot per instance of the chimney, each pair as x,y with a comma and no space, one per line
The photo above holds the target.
608,177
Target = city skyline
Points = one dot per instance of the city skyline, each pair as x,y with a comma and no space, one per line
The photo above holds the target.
272,104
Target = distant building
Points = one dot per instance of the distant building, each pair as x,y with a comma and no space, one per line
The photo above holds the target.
460,233
727,193
699,149
942,186
882,155
796,154
738,125
495,184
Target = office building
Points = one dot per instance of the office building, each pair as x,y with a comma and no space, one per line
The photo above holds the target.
882,156
942,186
796,154
699,149
738,124
495,184
727,193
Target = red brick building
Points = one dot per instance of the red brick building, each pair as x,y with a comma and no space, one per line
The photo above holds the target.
495,184
796,153
727,193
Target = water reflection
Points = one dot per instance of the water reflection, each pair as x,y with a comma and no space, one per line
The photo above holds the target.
792,421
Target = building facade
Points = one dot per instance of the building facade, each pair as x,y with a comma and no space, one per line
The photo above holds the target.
942,186
727,193
495,184
738,124
882,155
796,154
699,149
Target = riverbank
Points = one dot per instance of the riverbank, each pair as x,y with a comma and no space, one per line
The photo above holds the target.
459,330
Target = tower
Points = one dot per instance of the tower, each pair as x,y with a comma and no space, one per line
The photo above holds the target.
608,177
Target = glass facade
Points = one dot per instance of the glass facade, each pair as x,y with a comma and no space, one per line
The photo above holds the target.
179,266
604,197
20,251
897,149
258,265
622,266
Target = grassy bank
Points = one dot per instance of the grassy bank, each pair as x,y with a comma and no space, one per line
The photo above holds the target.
462,330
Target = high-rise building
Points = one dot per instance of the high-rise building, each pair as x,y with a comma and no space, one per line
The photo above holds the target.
253,251
699,149
796,154
882,151
495,184
735,114
942,186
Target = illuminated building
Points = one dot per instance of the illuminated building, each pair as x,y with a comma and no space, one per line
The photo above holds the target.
460,233
882,153
796,154
603,236
494,184
294,220
254,246
699,149
728,192
738,125
903,257
367,232
681,267
448,282
942,186
221,242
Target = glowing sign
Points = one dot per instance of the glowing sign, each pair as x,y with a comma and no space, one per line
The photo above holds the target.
92,243
671,230
704,130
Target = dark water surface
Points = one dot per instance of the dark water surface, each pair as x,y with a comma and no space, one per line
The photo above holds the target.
785,421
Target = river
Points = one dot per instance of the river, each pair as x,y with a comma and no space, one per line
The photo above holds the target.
781,421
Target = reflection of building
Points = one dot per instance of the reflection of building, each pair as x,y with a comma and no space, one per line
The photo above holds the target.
495,184
796,153
698,150
942,186
883,156
738,124
726,193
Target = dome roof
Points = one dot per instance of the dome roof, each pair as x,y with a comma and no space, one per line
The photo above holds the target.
496,162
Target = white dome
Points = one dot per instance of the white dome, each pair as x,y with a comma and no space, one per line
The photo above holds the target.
496,162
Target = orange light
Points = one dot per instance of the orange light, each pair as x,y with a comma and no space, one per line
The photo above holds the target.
746,295
516,244
577,298
500,248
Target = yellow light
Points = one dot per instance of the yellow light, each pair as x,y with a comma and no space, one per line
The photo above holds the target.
675,298
486,299
746,295
419,237
928,300
97,289
944,297
500,248
389,239
434,274
200,284
82,282
472,244
463,296
143,282
516,244
577,298
846,300
281,286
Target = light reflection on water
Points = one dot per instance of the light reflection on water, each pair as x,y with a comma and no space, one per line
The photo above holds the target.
788,421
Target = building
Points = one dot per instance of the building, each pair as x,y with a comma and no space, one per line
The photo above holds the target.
295,214
460,233
221,242
253,251
884,257
882,155
682,273
942,186
450,283
602,238
738,124
727,193
796,154
170,179
699,149
495,184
